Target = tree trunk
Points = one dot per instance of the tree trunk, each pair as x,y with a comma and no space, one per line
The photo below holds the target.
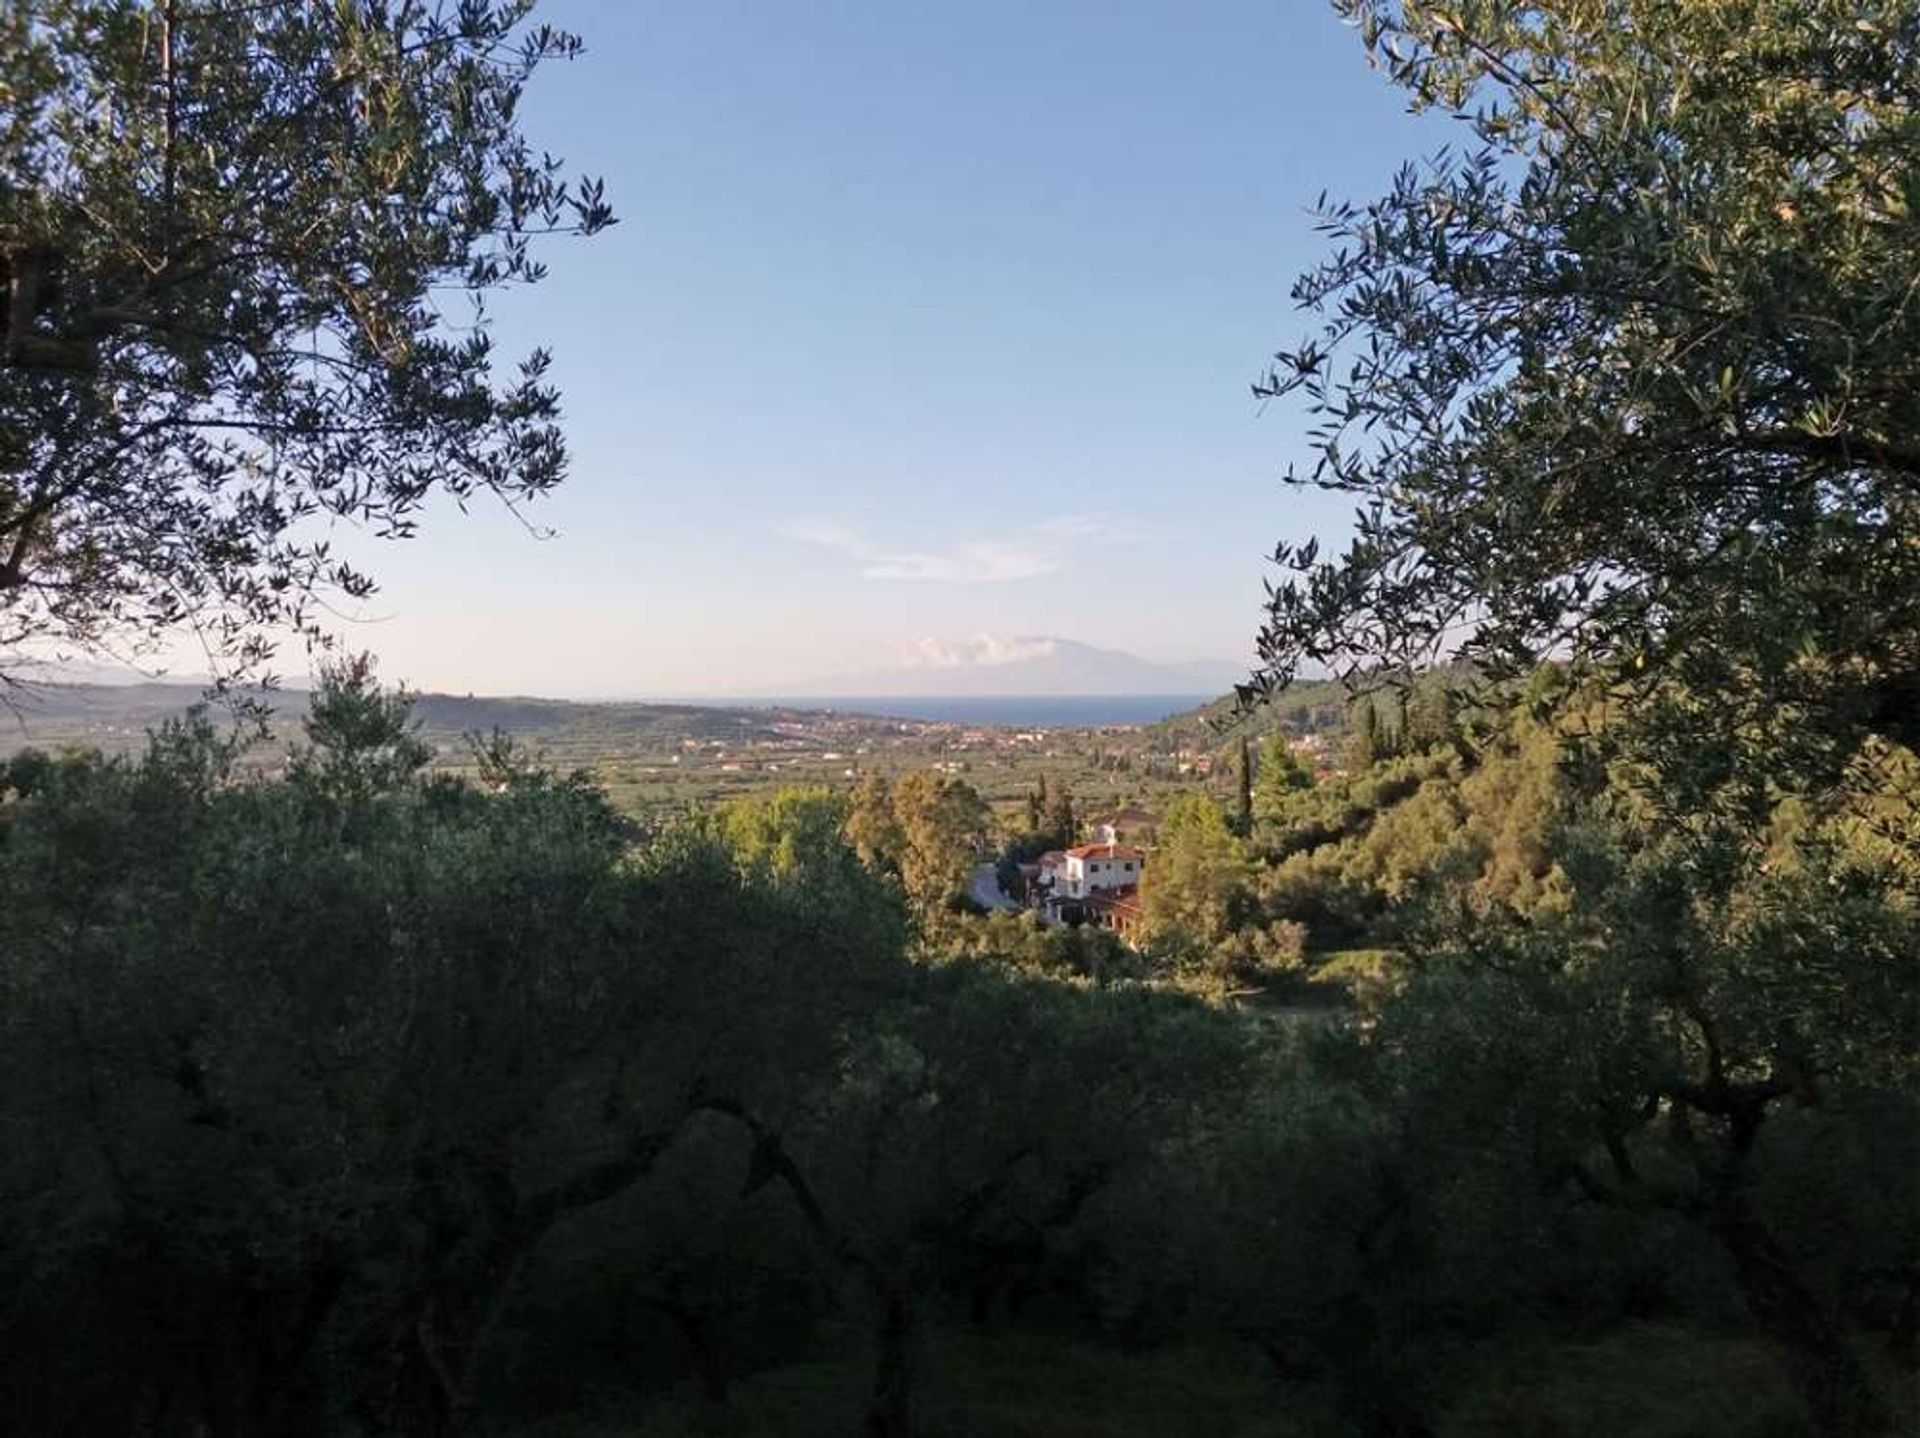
1835,1387
455,1410
703,1354
889,1411
1903,1343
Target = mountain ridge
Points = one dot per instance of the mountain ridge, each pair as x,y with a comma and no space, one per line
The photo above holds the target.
1036,666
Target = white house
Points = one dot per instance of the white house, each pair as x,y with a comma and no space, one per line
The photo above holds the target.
1098,869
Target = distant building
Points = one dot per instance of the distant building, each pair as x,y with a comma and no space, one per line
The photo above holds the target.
1131,825
1050,871
1091,884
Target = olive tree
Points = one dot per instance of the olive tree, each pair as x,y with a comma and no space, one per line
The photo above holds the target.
301,1074
1629,386
245,250
973,1122
1633,378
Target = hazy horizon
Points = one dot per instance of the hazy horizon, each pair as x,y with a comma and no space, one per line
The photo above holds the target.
1026,667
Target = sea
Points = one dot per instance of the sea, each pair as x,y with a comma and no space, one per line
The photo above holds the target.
1027,711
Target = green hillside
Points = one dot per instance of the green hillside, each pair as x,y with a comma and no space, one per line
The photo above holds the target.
116,717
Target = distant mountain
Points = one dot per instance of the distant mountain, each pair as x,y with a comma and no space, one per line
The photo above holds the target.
117,702
1038,665
36,671
118,716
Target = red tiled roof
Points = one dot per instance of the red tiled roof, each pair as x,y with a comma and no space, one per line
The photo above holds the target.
1105,851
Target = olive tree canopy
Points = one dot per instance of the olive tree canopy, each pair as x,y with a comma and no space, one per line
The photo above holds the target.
244,249
1634,379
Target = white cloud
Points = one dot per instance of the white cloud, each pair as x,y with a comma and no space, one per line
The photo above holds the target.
980,649
1042,548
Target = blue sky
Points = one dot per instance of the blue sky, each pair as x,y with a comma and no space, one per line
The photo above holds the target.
921,322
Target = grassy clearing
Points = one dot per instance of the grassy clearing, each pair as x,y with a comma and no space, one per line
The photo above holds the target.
1364,976
1332,983
1357,966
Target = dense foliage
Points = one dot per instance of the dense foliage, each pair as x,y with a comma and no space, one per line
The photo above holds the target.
363,1099
1633,377
1567,1008
307,1077
231,237
1630,387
